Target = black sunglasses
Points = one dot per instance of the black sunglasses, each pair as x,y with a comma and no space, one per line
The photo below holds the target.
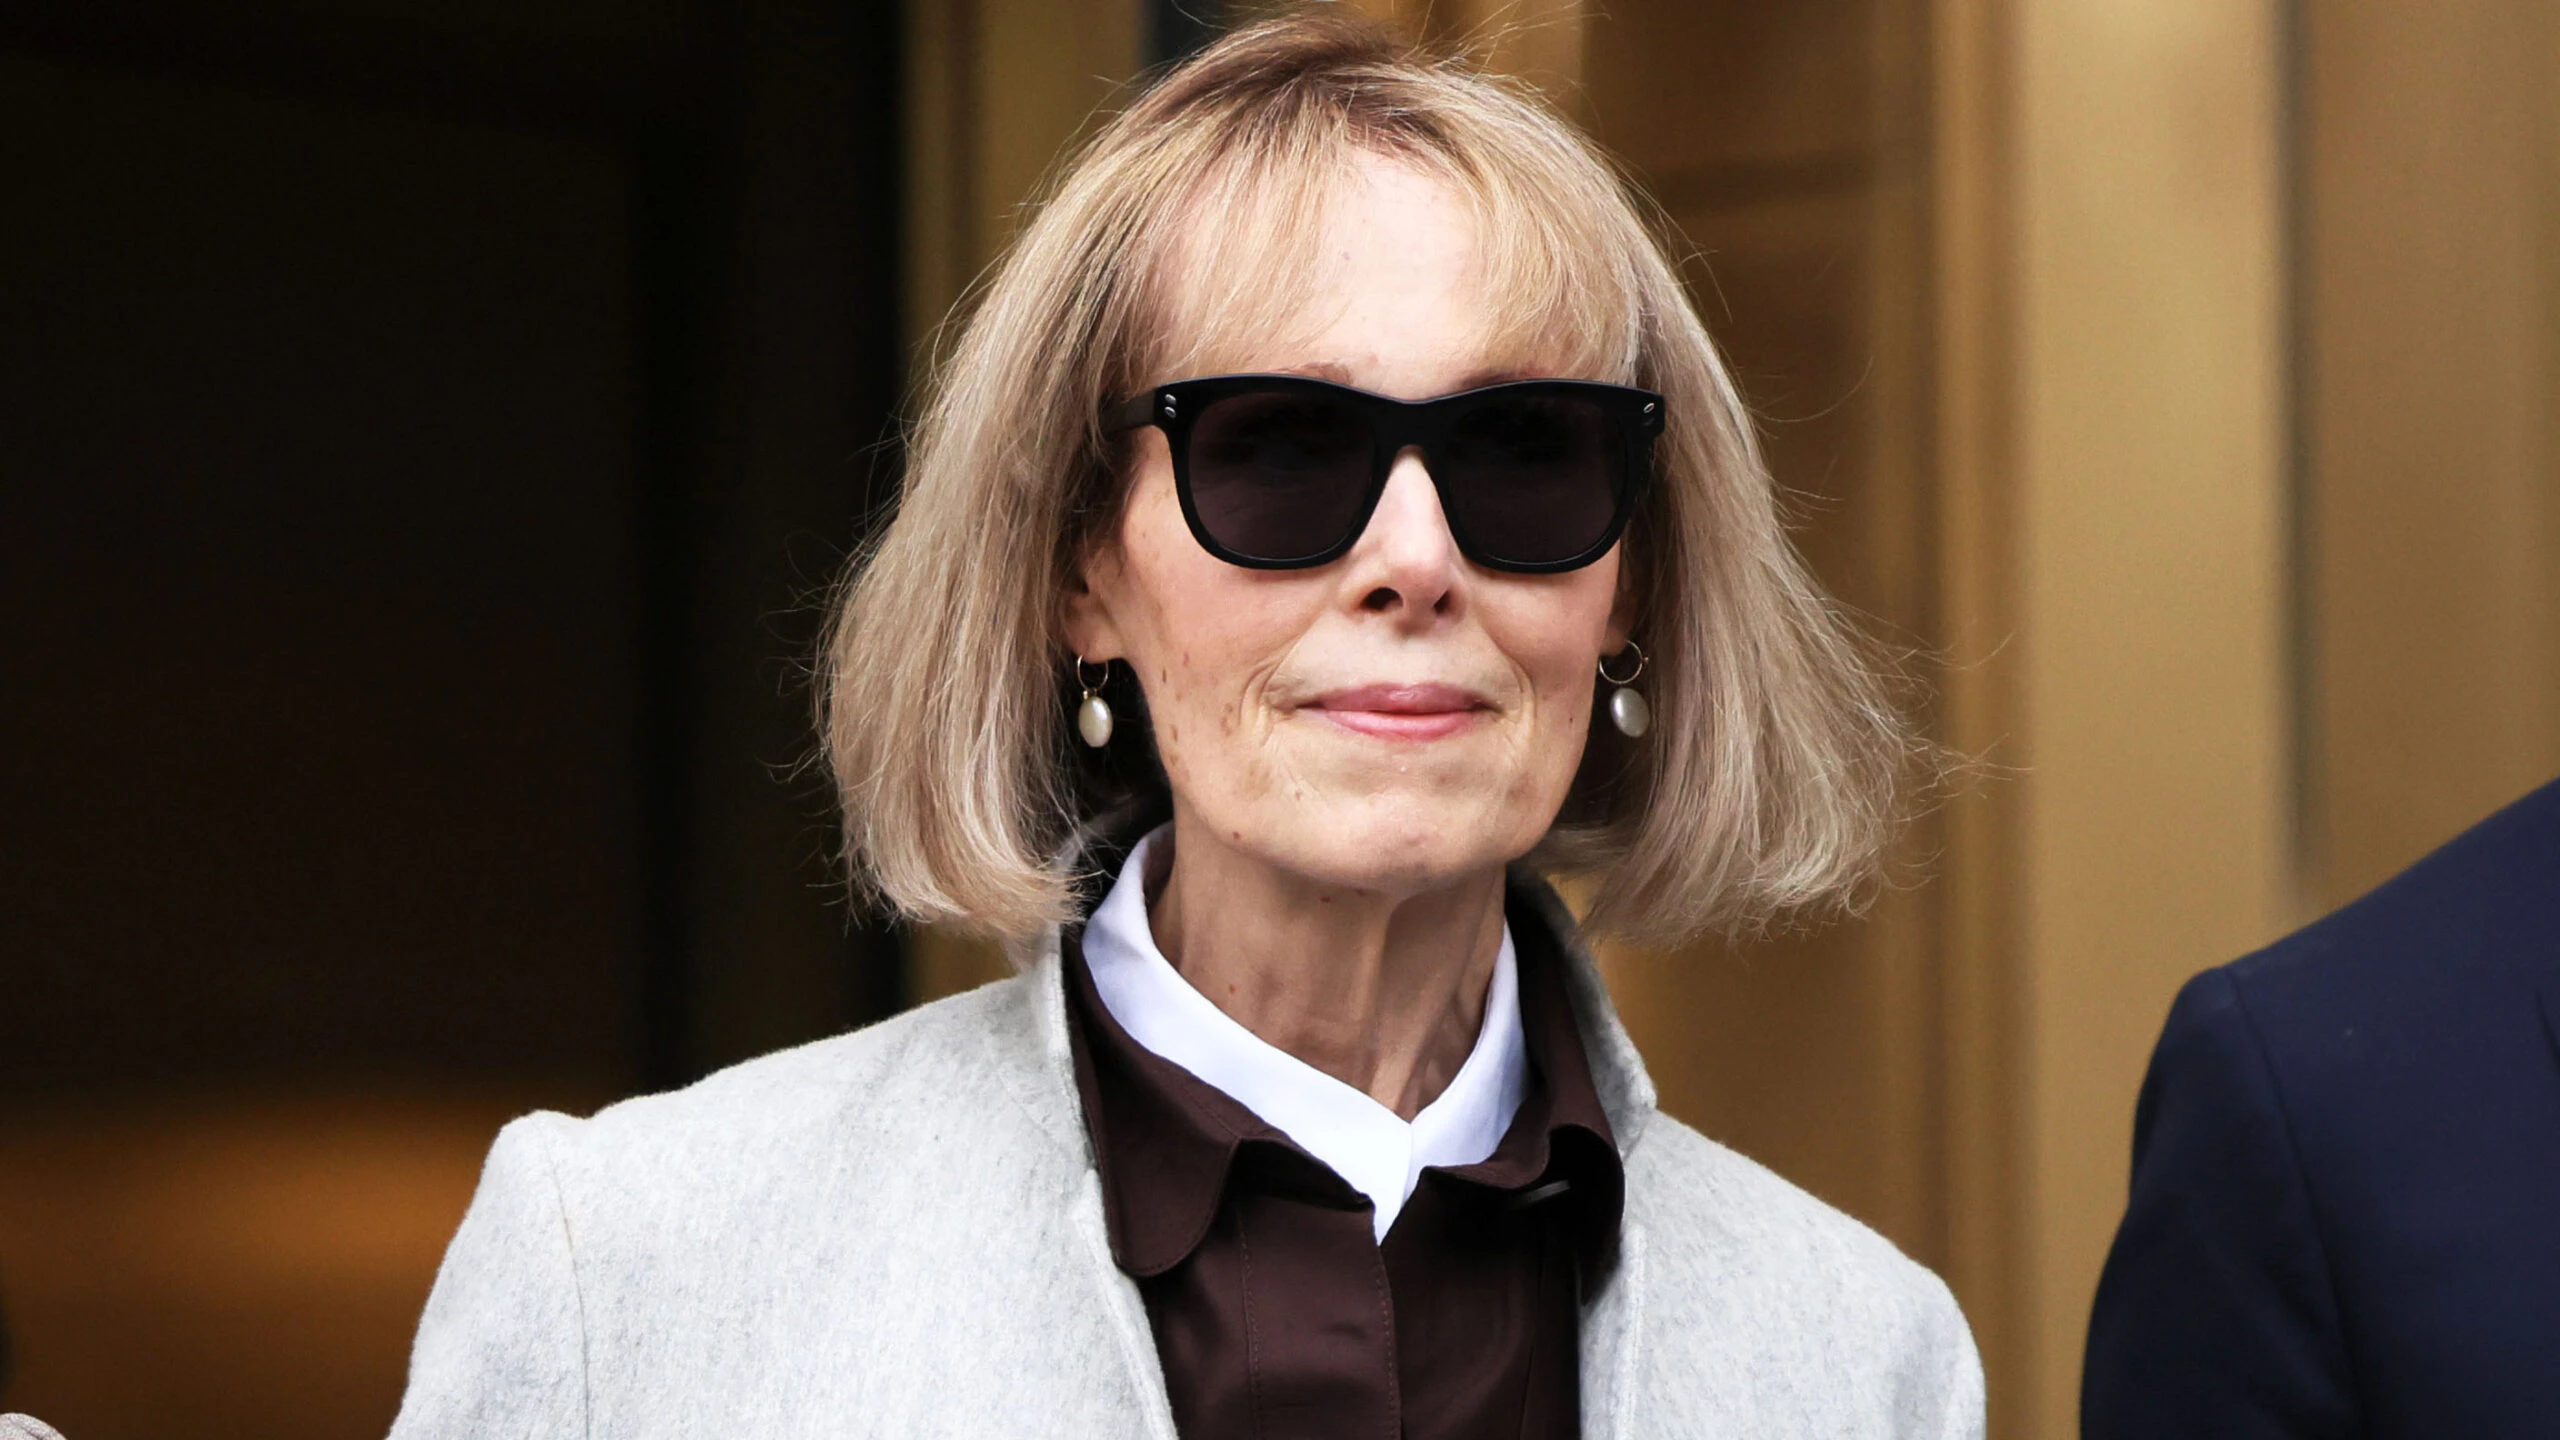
1280,472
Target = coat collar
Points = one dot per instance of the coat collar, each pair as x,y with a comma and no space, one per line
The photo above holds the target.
1617,1071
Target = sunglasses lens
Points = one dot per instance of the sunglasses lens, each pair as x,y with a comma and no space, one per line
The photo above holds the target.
1532,479
1282,475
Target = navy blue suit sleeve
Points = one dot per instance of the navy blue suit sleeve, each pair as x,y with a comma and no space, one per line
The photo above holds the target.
2215,1316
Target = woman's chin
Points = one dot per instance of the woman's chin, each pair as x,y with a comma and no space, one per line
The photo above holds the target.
1399,844
1348,811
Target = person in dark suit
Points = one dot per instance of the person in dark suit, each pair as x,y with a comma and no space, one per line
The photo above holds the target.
2345,1211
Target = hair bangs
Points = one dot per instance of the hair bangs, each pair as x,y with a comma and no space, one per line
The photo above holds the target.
1246,267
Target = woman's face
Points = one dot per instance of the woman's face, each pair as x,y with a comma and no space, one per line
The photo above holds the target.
1398,719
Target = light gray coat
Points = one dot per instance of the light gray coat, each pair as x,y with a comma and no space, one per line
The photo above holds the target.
899,1232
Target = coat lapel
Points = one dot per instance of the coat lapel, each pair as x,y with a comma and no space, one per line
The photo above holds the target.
1029,1050
1127,1311
1613,1316
1613,1339
1617,1071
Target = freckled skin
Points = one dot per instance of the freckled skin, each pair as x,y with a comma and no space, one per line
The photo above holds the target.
1385,988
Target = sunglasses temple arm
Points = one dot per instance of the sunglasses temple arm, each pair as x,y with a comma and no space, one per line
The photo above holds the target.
1129,414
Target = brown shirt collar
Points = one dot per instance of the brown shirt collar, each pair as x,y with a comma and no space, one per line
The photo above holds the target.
1167,1142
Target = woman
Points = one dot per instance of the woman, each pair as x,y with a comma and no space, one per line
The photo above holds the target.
1328,446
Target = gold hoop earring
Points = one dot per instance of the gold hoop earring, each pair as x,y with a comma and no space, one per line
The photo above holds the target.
1093,713
1627,709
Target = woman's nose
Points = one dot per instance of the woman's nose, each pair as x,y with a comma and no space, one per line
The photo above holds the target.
1407,560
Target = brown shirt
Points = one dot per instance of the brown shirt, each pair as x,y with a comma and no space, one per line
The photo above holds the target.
1277,1314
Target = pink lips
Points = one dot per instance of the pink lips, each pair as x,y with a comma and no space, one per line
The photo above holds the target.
1401,712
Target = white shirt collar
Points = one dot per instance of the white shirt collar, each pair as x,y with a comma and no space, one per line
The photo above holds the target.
1364,1142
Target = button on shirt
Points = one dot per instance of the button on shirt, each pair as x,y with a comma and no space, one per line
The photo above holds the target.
1311,1266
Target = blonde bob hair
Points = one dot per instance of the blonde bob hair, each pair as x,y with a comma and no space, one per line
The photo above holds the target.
1769,781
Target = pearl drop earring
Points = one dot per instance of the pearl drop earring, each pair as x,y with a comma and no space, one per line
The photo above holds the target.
1627,709
1093,713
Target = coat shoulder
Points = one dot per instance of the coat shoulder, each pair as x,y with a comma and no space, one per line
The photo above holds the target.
919,1052
1834,1322
2480,908
883,1225
1713,1210
2379,1024
883,1109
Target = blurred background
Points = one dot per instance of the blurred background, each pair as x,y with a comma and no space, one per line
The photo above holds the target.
427,431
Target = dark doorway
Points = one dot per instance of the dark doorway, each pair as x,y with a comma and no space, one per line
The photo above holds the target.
425,433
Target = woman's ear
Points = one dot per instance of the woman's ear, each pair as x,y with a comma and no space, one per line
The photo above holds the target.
1084,613
1622,610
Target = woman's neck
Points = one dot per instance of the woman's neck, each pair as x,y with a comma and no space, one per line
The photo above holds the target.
1383,992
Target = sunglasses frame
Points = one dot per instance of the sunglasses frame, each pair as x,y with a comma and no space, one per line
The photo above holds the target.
1395,425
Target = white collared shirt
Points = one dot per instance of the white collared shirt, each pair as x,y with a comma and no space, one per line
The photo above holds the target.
1379,1153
